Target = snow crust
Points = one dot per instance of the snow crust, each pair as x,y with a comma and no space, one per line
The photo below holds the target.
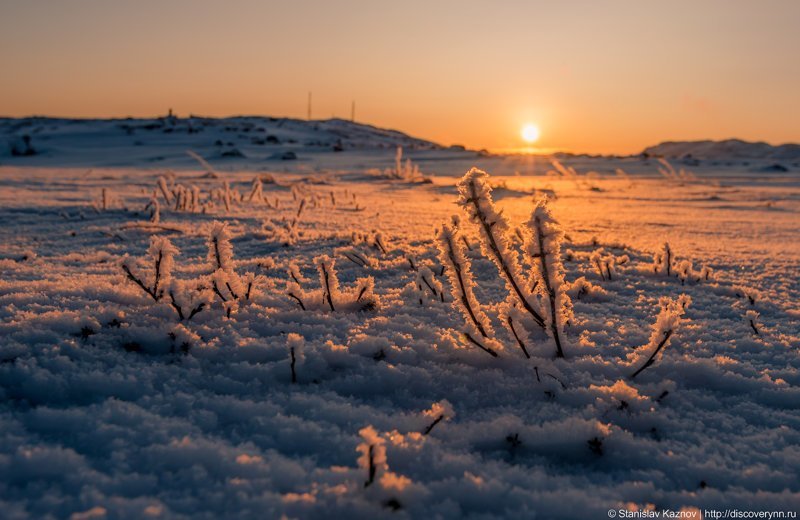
110,404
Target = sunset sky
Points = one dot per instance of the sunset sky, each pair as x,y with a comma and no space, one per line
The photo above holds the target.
596,76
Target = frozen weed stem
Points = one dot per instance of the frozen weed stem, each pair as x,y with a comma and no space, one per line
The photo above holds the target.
752,318
285,231
451,254
182,296
475,196
428,287
662,261
162,257
665,264
328,278
606,263
225,282
669,318
511,316
295,342
155,210
441,411
373,454
186,295
360,297
544,249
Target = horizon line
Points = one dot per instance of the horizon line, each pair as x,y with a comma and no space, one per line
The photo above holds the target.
511,150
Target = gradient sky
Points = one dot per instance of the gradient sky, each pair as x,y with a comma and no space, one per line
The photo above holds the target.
597,76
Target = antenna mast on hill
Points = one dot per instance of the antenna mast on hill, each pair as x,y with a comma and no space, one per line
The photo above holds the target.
353,112
309,105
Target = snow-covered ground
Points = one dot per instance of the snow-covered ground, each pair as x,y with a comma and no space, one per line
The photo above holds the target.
112,405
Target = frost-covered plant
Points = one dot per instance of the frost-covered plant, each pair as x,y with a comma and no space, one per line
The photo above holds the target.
669,318
226,195
195,198
511,317
582,287
405,170
606,263
182,339
670,173
378,243
373,454
540,374
451,254
665,264
210,172
705,273
293,270
373,239
686,273
184,199
165,191
544,249
438,412
220,250
752,295
295,342
256,191
161,255
225,282
296,280
475,196
360,297
596,259
559,169
105,202
188,298
155,210
358,258
751,316
570,173
428,288
684,270
283,232
230,289
663,260
328,278
286,231
181,198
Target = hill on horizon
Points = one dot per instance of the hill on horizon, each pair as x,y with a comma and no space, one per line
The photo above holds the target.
153,140
118,141
725,149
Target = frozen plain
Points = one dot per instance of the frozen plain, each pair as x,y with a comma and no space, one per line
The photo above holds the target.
112,406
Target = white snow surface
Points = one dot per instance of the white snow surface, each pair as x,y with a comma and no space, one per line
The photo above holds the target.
110,406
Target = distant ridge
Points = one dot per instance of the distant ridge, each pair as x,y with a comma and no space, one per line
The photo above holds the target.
163,141
727,149
354,134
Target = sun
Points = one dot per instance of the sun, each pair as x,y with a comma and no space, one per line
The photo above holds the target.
530,133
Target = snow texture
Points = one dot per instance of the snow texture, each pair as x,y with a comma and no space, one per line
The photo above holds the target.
112,405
